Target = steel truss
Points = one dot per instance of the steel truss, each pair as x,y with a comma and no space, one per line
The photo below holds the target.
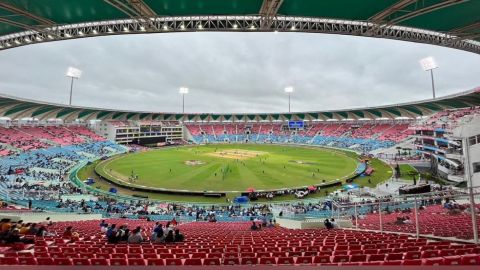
236,24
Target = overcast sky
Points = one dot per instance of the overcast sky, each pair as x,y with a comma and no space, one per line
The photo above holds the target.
234,72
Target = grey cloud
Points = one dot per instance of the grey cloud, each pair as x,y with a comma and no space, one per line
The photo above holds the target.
234,72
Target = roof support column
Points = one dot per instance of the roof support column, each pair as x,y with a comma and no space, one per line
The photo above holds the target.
268,11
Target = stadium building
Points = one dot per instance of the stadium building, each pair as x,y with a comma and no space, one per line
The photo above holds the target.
383,185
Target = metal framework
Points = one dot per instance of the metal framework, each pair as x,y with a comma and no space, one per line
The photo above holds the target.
426,9
235,24
268,11
25,13
380,16
17,108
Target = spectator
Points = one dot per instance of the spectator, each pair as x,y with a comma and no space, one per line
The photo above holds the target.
68,232
334,224
254,226
25,228
112,234
157,232
178,236
12,236
33,229
42,231
170,237
135,237
159,237
6,224
327,224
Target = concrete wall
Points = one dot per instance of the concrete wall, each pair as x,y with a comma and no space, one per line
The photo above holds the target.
310,223
466,131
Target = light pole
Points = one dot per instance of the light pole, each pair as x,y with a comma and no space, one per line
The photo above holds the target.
289,91
183,91
73,73
429,64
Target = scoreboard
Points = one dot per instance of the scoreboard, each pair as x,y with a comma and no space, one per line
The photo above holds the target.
295,124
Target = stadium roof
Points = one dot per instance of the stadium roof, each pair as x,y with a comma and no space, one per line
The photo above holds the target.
15,108
450,23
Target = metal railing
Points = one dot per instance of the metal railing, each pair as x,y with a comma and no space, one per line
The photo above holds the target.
443,214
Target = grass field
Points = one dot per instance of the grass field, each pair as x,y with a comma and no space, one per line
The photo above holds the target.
382,172
230,167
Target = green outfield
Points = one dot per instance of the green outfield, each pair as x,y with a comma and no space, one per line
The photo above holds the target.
232,167
382,171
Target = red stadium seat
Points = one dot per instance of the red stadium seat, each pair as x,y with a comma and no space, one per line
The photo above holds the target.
394,256
452,260
285,260
195,261
138,261
155,262
412,262
200,255
62,261
392,263
170,261
304,260
45,261
321,259
80,261
376,257
249,260
358,258
150,256
27,261
182,255
470,259
231,261
433,261
118,261
268,260
413,255
211,261
8,261
98,261
340,258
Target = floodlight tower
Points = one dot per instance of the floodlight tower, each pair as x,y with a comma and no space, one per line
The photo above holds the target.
289,91
73,73
429,64
183,91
